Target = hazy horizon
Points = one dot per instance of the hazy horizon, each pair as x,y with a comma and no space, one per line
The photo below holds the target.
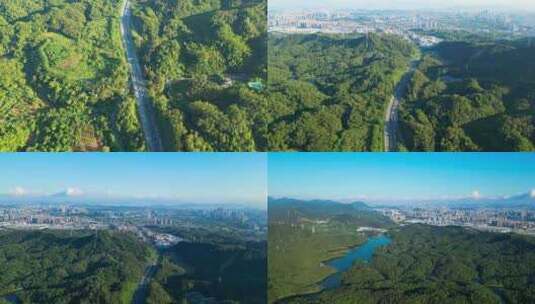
516,5
159,178
380,177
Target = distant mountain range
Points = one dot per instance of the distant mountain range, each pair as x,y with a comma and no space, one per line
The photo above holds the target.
524,200
314,208
290,210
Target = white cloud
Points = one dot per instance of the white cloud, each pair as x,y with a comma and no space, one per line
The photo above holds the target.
532,193
476,194
72,191
19,191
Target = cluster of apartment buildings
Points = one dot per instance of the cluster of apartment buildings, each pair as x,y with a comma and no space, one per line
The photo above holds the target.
412,25
33,217
490,219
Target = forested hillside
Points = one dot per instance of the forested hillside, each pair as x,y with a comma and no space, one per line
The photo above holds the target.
472,95
206,66
64,78
286,210
330,92
64,267
215,264
224,272
305,234
426,264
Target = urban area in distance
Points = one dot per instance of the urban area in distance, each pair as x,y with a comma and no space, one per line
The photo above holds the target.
157,228
401,228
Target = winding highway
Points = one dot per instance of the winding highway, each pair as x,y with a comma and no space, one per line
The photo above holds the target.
391,130
139,84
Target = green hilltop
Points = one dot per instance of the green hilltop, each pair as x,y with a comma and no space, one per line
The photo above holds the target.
64,83
472,96
67,267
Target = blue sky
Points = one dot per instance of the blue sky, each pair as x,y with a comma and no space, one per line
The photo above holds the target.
186,177
387,176
405,4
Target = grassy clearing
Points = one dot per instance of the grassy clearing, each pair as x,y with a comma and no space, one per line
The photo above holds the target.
59,56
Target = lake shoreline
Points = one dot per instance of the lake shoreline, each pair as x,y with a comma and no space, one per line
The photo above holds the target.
372,242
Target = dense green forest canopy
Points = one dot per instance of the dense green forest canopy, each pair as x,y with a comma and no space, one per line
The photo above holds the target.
65,267
304,234
214,264
64,79
427,264
472,94
206,65
236,274
330,92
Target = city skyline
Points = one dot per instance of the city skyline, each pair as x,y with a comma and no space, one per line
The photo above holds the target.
512,5
140,178
402,177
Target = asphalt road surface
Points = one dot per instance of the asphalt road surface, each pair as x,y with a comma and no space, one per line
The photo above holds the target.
139,84
392,111
143,287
